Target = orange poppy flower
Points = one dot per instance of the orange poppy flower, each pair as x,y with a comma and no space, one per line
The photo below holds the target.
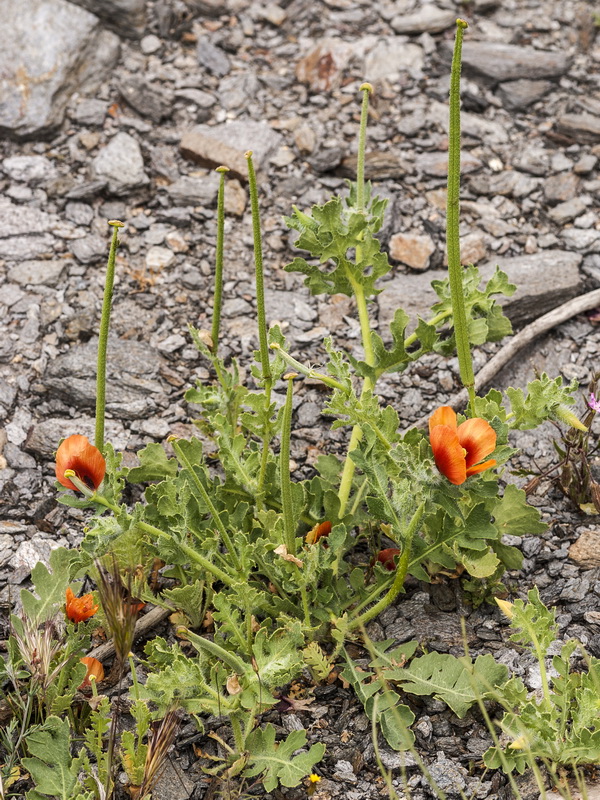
86,461
386,557
94,670
459,449
80,608
321,529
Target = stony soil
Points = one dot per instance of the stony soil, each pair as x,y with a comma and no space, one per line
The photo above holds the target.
125,117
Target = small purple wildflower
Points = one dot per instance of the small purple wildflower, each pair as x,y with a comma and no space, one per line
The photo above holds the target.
593,403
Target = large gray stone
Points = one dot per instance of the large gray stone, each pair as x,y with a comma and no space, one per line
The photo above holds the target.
134,390
190,191
36,273
544,280
24,231
582,128
428,19
29,169
226,144
47,52
121,163
43,437
497,62
125,17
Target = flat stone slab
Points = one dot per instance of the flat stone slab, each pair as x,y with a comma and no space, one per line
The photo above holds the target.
497,62
134,389
585,552
48,50
544,281
226,145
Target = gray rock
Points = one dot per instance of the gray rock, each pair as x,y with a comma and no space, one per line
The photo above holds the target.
497,62
89,111
562,187
125,17
121,163
28,554
87,190
80,213
133,389
36,273
565,212
60,48
238,91
196,96
29,169
436,163
150,44
447,776
147,100
582,128
517,95
43,437
587,241
544,280
8,394
226,145
90,249
585,164
428,19
188,191
212,57
390,57
509,182
24,231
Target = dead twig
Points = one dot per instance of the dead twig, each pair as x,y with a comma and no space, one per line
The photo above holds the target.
143,625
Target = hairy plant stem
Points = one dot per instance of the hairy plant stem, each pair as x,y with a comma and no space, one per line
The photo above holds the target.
284,468
103,335
261,318
237,733
400,576
361,303
366,89
304,370
223,532
455,270
218,295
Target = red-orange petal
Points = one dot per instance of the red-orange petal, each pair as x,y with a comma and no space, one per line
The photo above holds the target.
386,557
94,669
76,453
449,454
481,467
444,415
478,438
80,608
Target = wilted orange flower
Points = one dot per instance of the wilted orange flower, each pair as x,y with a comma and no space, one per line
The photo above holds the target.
80,608
386,557
86,461
94,670
458,449
320,530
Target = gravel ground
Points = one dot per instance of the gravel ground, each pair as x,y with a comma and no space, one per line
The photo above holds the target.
130,123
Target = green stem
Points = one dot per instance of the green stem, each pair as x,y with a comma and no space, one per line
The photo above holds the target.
400,577
356,436
237,733
214,649
225,537
261,317
217,300
366,89
455,270
284,468
103,335
258,263
308,371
